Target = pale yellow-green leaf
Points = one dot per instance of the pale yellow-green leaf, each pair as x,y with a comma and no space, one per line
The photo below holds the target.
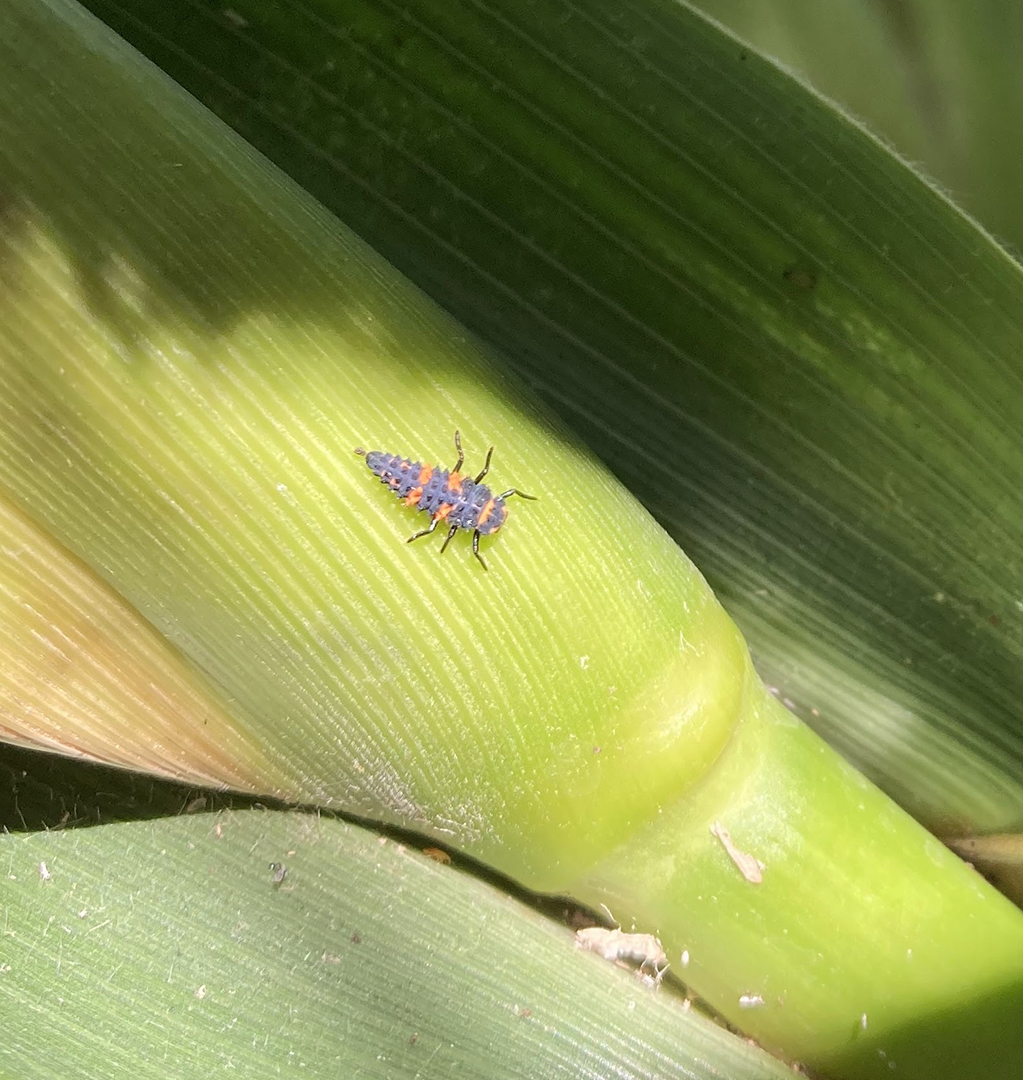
81,672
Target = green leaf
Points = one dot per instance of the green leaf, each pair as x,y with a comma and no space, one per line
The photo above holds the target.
188,361
190,351
155,949
797,354
929,75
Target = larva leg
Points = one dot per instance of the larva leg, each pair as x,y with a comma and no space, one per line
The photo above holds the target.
476,548
458,447
425,532
486,466
447,539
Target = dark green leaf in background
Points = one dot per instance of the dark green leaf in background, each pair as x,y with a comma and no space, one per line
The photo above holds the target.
939,78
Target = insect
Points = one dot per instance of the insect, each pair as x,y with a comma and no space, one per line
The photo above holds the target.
457,500
643,949
437,855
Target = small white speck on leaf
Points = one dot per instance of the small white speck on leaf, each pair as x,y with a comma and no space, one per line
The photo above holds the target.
44,874
751,1001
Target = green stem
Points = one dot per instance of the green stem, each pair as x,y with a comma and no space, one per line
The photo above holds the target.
847,930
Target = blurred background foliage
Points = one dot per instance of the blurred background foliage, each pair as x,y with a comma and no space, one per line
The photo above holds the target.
938,79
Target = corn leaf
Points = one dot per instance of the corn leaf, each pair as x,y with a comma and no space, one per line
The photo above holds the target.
190,351
931,76
795,352
168,948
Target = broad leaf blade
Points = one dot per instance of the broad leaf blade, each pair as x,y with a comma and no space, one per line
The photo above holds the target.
155,949
795,352
190,352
